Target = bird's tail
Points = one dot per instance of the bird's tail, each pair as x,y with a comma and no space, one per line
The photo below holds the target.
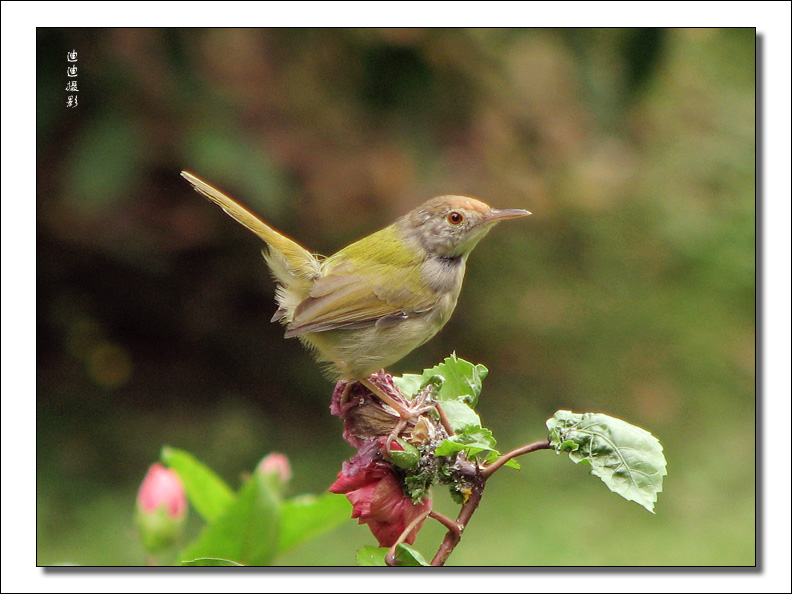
287,258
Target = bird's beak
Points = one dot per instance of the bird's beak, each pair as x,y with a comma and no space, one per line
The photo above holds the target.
507,213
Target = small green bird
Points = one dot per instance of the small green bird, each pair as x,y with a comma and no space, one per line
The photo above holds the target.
368,305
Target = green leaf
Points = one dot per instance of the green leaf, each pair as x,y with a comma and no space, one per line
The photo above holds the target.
212,562
247,531
461,380
409,384
450,446
207,492
628,459
308,516
460,415
471,439
405,556
370,556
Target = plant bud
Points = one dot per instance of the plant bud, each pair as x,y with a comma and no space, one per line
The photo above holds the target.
401,453
161,508
278,466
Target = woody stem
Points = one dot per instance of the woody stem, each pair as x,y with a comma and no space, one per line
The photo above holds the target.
454,535
526,449
476,485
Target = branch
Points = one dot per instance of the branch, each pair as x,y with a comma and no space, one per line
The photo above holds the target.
452,537
526,449
477,484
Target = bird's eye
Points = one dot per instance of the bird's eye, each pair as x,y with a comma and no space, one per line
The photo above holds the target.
454,217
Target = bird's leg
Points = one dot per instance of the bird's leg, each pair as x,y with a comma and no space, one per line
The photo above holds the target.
406,412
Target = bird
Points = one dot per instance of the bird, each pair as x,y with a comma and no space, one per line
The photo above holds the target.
368,305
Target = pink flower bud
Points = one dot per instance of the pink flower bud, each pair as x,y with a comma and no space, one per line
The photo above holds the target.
278,464
162,487
161,508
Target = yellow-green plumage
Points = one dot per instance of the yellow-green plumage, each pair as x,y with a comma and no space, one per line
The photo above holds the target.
369,304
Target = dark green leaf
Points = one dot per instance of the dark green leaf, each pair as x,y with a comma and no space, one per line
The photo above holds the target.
628,459
207,492
307,516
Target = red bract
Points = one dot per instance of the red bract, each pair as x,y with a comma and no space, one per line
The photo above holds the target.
378,500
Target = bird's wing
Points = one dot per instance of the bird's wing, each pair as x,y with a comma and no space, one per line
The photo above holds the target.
347,298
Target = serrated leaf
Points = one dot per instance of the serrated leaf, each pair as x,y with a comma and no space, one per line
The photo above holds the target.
211,562
308,516
471,440
207,492
247,531
409,383
449,447
370,556
461,380
628,459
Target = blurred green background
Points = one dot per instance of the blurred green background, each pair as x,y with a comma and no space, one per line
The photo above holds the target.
631,289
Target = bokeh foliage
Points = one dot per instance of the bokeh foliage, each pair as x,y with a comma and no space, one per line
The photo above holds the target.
631,290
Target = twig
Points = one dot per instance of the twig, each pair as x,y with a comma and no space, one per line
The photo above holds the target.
444,419
526,449
447,522
390,557
453,537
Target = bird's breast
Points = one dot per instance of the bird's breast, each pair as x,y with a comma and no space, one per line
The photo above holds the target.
444,275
